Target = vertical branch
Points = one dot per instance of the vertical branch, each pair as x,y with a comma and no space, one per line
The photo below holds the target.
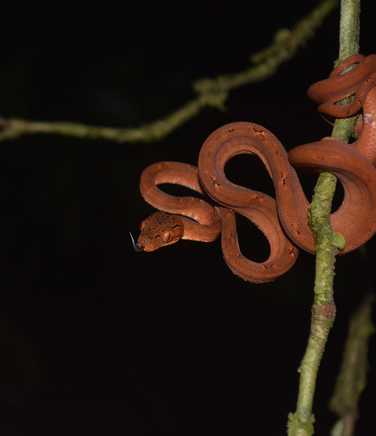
327,245
352,378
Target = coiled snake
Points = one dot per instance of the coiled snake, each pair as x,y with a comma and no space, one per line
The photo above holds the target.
283,220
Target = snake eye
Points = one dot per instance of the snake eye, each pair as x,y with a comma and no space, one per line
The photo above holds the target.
166,236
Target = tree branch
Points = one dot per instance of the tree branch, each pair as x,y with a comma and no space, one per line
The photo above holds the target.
327,245
210,92
352,378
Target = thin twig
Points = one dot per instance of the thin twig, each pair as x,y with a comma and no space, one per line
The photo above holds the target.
352,378
327,245
210,92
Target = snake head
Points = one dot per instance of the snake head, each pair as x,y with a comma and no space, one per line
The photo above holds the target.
158,230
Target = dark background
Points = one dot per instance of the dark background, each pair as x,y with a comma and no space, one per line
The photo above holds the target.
98,338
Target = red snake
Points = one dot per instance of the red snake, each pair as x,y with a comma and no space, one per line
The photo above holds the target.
283,220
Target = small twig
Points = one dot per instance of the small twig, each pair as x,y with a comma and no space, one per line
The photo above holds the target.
210,92
352,378
327,245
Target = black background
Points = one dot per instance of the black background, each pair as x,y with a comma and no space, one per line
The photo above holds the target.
98,338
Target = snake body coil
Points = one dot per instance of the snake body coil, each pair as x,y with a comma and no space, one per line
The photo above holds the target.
283,220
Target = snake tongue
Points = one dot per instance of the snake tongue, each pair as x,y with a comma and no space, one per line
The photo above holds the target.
136,246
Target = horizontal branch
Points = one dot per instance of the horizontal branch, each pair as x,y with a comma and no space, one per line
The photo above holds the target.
210,92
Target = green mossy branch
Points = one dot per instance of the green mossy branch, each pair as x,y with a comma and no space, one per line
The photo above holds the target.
210,92
352,378
327,245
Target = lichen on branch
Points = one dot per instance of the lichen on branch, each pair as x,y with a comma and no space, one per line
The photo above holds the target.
328,243
209,92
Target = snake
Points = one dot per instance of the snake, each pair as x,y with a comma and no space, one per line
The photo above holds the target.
284,219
